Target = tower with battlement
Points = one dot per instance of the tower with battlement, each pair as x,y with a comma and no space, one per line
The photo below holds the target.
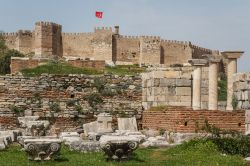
104,43
48,39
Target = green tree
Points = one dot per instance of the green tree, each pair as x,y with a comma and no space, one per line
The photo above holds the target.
5,60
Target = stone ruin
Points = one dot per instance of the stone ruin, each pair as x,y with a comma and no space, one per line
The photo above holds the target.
36,144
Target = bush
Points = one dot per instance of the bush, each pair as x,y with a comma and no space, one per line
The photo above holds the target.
55,107
94,100
16,109
99,84
5,60
71,103
222,92
230,142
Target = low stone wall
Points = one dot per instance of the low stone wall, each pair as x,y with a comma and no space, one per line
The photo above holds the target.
172,87
18,64
95,64
43,95
185,120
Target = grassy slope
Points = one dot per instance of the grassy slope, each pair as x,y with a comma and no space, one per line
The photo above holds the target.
58,68
192,153
64,69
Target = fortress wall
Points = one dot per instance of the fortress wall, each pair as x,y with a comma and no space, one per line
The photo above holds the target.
10,40
48,39
197,52
25,41
175,52
77,44
150,50
102,44
128,49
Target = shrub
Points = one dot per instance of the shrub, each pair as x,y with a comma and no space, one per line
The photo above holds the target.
55,107
222,90
162,131
79,108
16,109
234,102
94,100
99,84
5,60
71,103
230,142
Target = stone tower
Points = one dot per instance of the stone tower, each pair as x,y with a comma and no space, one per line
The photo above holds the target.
48,40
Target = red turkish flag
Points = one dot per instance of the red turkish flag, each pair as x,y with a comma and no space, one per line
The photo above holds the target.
98,14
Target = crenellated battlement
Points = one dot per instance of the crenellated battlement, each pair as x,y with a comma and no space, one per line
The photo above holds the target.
128,37
98,29
186,43
77,34
47,40
9,34
42,23
201,48
151,37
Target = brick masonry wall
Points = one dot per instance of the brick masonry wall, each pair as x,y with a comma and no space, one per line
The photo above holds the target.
8,122
18,64
185,120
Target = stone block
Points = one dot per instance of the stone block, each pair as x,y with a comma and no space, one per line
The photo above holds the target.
127,124
166,82
183,82
172,74
183,91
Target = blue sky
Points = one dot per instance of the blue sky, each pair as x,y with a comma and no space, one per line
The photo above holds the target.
215,24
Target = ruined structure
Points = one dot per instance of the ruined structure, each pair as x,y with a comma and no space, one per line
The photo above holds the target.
47,40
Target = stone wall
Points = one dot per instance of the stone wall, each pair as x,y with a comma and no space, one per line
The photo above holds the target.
127,49
174,52
95,64
172,87
241,87
184,120
47,40
38,95
18,64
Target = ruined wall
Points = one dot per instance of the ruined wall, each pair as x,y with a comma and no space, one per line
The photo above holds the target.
175,52
127,50
48,39
172,87
150,50
18,64
36,94
184,120
95,64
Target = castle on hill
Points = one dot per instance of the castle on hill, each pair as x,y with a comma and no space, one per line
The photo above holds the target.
48,40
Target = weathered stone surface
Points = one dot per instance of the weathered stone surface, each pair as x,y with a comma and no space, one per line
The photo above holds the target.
118,147
127,124
84,146
42,148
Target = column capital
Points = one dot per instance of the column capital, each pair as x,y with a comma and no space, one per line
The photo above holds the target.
197,62
212,58
232,54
